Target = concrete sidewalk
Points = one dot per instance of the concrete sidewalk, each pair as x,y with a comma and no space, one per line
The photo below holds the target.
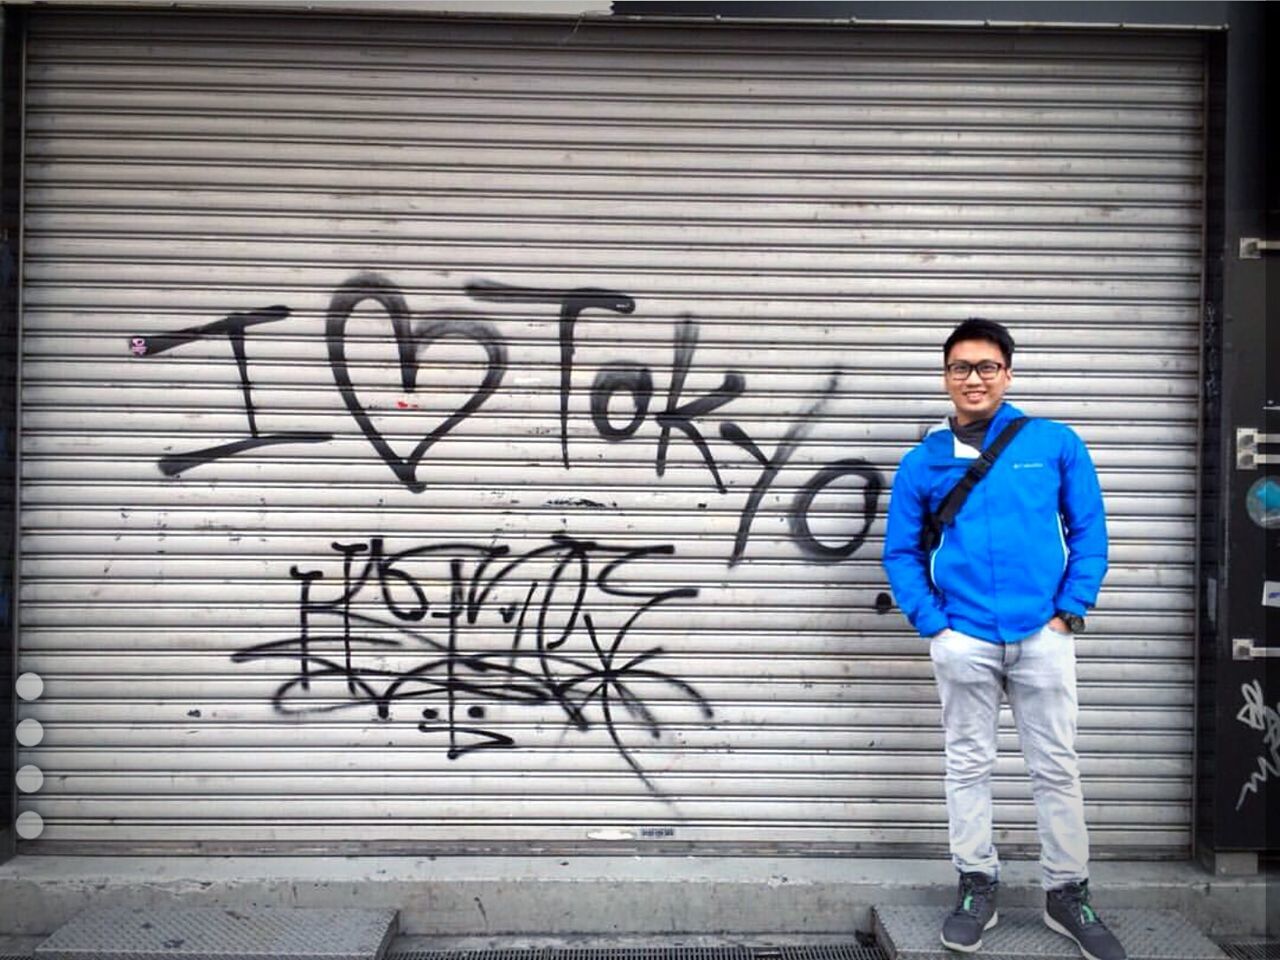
481,897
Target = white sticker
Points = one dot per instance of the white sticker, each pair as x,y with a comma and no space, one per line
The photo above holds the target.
30,825
30,686
1271,593
29,779
29,733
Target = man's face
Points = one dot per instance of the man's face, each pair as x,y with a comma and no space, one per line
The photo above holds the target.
974,397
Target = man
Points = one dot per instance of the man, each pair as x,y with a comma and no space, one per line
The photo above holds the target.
999,596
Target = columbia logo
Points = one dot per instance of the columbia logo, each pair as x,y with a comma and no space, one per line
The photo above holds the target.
1028,466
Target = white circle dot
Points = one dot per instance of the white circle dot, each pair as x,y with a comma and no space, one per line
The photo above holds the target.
29,778
30,825
29,686
30,733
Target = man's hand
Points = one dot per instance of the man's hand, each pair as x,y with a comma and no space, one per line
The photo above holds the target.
1058,625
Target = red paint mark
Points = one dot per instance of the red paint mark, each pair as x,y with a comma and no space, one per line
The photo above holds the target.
406,405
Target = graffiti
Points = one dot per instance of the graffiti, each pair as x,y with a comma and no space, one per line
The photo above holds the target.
681,415
638,381
613,384
572,304
1257,715
436,609
873,484
799,518
412,338
233,327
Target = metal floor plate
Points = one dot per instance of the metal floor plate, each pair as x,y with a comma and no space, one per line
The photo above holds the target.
212,933
911,933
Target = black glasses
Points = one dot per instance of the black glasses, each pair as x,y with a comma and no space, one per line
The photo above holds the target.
987,369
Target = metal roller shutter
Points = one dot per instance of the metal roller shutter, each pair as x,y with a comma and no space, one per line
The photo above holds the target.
446,433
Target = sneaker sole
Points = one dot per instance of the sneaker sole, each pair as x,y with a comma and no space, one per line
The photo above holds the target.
1056,927
973,946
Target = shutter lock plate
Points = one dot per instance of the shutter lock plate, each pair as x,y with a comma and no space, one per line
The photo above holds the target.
1251,248
1243,648
1248,444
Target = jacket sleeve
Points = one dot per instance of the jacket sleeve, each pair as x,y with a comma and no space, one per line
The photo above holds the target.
904,561
1085,522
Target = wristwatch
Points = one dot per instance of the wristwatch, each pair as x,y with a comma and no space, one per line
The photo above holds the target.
1074,622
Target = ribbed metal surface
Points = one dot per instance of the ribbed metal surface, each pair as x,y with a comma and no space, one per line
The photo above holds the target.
546,504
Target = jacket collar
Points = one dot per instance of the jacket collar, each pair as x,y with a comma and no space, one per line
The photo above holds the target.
941,439
1006,413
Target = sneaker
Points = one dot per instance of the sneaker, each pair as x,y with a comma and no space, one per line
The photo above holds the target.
1067,911
975,912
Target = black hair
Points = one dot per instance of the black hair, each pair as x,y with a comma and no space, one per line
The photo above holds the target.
980,328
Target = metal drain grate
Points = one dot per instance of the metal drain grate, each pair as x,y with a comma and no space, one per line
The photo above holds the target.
206,933
785,952
833,951
1251,949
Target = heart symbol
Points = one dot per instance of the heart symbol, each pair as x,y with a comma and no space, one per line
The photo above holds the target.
411,339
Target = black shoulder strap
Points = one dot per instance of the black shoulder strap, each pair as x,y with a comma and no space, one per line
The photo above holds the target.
958,494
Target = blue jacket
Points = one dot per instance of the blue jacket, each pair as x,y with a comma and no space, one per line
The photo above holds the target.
1030,540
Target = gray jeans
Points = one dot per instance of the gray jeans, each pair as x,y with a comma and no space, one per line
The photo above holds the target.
1039,674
